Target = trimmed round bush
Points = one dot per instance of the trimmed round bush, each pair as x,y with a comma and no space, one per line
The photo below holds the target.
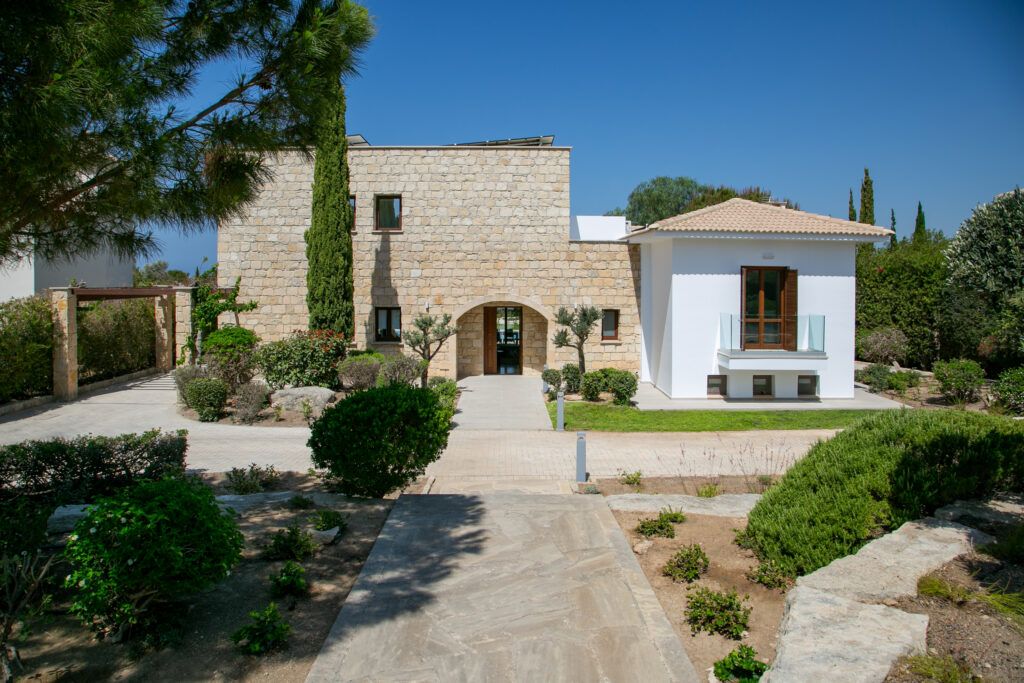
379,440
305,359
1009,390
360,372
592,385
877,474
184,375
207,397
622,384
553,378
229,340
571,377
150,543
959,380
400,370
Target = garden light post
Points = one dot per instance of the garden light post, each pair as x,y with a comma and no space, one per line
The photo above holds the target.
561,412
581,457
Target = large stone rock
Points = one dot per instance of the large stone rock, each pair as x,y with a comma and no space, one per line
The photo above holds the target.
1007,510
292,399
727,505
65,518
825,637
889,567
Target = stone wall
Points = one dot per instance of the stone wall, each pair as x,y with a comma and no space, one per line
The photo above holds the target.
480,225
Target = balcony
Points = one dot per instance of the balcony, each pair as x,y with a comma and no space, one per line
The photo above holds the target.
795,343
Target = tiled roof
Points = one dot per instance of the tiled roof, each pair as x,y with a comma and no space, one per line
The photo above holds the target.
743,215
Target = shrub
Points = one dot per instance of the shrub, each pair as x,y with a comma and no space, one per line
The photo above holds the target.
719,612
360,372
1009,547
289,581
634,479
367,353
147,544
769,574
26,347
875,376
592,385
232,369
252,480
326,520
687,564
877,474
709,490
400,370
305,359
380,440
250,399
185,374
553,378
290,544
300,502
740,665
267,632
886,345
76,471
959,380
207,397
1009,390
622,384
571,377
229,341
670,515
591,490
658,526
447,391
903,380
115,338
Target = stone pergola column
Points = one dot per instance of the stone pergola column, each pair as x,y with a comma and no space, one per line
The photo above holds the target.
65,343
184,299
163,314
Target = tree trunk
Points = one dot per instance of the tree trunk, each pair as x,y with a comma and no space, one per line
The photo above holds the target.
583,363
423,377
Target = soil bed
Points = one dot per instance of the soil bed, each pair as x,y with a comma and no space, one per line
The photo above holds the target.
728,569
684,485
972,633
66,650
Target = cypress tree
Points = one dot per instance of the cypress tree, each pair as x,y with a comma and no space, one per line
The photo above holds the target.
329,238
920,232
853,209
892,226
867,200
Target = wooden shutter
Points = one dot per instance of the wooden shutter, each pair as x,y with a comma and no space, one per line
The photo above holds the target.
789,311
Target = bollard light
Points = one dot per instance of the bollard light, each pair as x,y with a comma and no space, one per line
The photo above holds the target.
581,457
561,412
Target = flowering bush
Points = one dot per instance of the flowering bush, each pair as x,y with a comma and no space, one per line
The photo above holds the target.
305,359
148,544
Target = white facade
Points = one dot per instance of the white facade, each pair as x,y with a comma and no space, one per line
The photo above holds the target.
31,276
598,228
691,285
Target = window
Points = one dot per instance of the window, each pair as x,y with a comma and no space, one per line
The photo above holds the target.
764,385
807,385
388,212
352,207
610,325
769,308
389,324
717,385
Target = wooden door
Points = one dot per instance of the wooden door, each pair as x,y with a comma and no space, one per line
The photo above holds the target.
490,341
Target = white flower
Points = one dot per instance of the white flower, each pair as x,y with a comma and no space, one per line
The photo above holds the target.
124,521
81,584
74,537
131,562
92,530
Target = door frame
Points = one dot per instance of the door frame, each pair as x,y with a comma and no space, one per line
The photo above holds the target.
490,338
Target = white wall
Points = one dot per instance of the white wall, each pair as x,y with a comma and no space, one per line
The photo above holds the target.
102,269
17,280
705,283
597,228
657,315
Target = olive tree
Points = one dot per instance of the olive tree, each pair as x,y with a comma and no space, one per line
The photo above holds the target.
578,323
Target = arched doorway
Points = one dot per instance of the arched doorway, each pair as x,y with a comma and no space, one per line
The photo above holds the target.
501,337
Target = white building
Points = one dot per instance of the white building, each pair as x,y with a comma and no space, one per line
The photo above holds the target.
744,300
32,275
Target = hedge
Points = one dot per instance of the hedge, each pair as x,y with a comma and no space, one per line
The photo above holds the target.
115,338
26,348
883,471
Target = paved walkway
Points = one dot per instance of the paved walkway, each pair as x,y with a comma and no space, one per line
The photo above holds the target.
648,397
502,588
501,402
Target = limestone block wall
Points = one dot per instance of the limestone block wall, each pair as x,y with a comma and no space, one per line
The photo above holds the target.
480,225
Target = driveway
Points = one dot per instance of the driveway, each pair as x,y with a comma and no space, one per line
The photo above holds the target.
501,402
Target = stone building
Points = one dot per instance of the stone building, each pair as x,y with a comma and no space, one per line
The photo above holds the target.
479,231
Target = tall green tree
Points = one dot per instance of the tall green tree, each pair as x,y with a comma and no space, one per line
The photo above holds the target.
661,197
867,200
853,208
892,226
329,286
920,231
93,147
716,195
987,253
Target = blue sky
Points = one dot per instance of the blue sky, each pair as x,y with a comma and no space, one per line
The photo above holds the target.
797,97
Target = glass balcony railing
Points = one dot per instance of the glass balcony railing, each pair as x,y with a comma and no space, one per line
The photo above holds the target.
787,333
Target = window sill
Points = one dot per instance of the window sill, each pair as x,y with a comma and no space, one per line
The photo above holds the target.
611,342
387,343
385,232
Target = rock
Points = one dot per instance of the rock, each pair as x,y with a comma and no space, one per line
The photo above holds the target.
642,546
1005,510
325,537
826,637
65,518
292,399
889,567
727,505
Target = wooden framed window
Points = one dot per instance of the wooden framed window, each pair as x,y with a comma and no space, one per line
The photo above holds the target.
764,386
610,325
807,386
718,385
352,207
769,308
388,212
388,324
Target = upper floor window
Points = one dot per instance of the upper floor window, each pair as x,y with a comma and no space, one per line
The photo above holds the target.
389,324
352,208
610,325
769,308
388,212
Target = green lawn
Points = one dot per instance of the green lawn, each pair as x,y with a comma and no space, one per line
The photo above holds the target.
610,418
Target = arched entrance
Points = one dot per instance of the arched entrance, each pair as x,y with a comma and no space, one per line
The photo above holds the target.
501,337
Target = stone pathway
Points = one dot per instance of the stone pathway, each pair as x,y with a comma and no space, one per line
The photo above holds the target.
502,587
501,402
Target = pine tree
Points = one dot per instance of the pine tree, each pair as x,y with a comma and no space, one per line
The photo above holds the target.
329,238
867,200
920,232
892,226
853,209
